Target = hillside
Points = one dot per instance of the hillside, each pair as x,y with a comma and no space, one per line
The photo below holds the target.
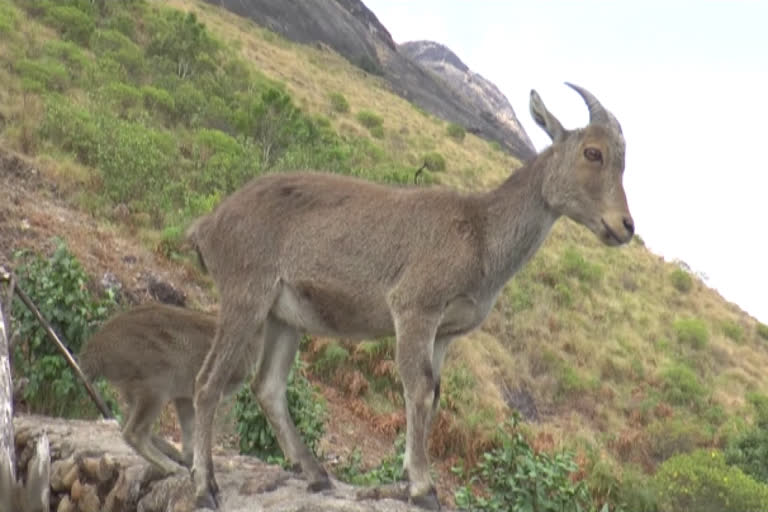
480,93
352,30
119,123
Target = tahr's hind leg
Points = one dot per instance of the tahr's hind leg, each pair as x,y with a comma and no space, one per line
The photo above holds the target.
281,343
240,327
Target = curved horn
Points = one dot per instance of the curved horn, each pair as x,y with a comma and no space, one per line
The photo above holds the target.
597,113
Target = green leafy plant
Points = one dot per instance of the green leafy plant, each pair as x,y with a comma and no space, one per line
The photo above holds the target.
59,287
306,407
339,103
762,331
692,332
574,264
681,386
370,119
681,280
518,478
434,161
702,481
749,449
388,471
456,131
733,330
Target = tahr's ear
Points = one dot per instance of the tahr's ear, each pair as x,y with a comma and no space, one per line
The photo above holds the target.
545,119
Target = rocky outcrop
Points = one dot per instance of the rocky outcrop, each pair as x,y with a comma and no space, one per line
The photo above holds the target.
353,30
93,470
479,92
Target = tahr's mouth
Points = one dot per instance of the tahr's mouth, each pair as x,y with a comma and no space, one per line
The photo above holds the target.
611,238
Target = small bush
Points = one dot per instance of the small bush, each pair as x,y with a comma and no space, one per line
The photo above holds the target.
332,357
71,55
702,481
43,74
749,449
72,23
456,131
671,436
692,331
58,285
158,100
389,470
681,386
339,103
519,478
575,265
733,330
121,97
8,16
681,280
306,407
434,161
762,331
370,119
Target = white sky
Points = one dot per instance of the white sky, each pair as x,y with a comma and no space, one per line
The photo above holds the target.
688,80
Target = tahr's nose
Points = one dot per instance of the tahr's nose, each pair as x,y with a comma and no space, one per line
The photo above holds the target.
629,225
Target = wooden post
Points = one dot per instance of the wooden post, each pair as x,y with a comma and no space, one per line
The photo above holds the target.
7,445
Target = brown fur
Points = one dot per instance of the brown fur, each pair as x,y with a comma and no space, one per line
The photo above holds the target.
338,256
151,355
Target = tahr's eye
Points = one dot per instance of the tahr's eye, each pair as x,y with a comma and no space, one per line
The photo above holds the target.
593,155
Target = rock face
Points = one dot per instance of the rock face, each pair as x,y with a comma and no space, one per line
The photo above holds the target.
479,92
93,470
353,30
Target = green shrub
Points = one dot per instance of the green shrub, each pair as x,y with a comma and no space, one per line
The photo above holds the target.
119,47
733,330
434,161
135,163
563,295
575,265
8,17
158,100
749,449
71,55
692,331
306,407
121,97
369,119
762,331
456,131
72,23
73,128
681,386
44,74
389,470
673,435
519,478
702,481
339,103
183,42
681,280
58,285
331,358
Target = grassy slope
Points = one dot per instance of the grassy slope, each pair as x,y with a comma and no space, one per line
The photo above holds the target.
589,332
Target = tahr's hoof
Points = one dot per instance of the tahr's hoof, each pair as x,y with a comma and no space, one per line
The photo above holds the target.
427,502
322,484
206,502
213,486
